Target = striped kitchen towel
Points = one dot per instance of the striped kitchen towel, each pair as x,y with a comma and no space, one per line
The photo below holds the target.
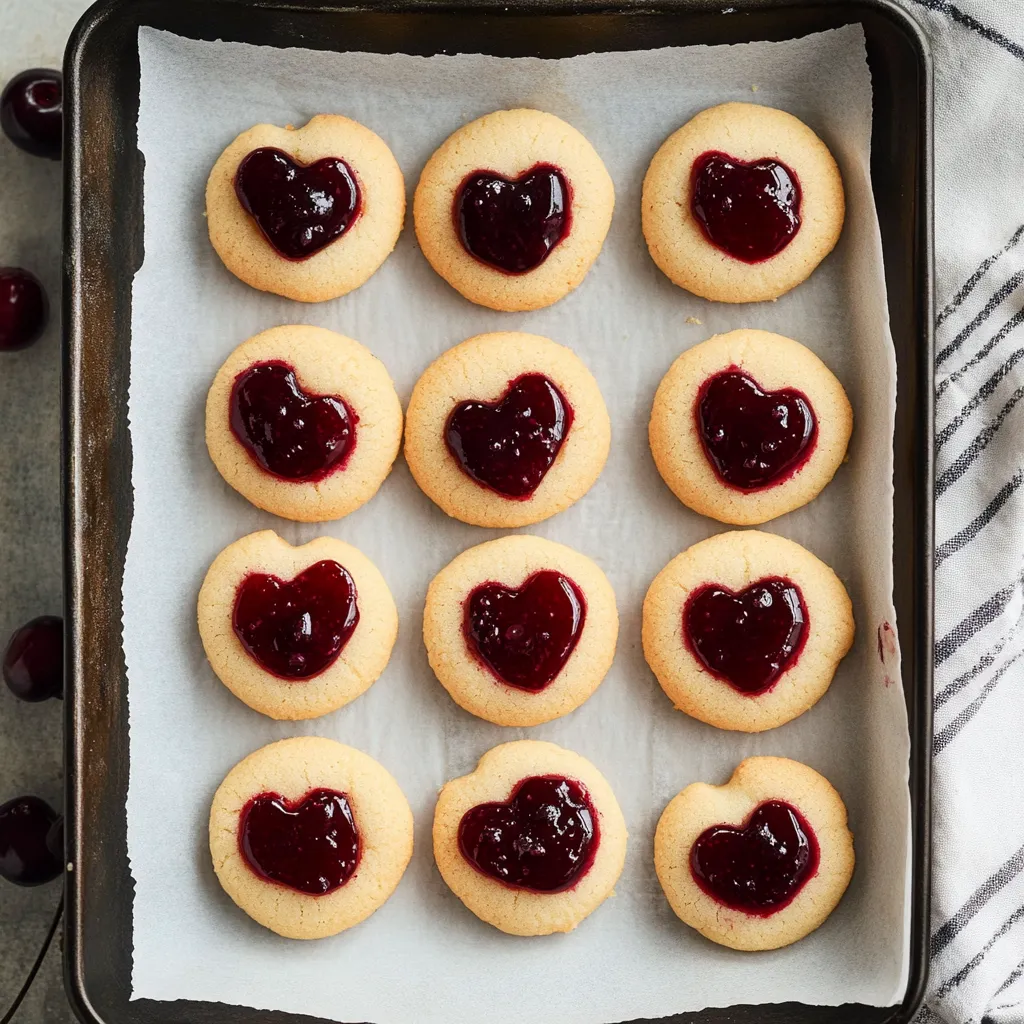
977,936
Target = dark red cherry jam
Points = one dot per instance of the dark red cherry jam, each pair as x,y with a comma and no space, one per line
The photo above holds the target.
311,845
24,309
290,433
509,445
513,224
760,867
31,111
525,636
299,209
296,628
749,210
754,438
747,639
543,839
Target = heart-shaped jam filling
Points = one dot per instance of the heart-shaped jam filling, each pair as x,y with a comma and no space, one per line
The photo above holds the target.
300,209
747,639
754,438
513,224
296,628
543,839
292,434
525,636
311,845
760,867
749,210
509,445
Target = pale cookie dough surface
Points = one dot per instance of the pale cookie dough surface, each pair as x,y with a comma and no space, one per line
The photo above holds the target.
747,132
510,561
735,561
359,662
755,781
514,910
351,258
481,369
292,768
325,363
774,362
511,142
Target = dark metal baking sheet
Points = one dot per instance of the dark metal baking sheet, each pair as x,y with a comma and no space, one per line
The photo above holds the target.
103,241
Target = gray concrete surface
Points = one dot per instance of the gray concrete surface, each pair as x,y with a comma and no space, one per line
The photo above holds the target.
32,34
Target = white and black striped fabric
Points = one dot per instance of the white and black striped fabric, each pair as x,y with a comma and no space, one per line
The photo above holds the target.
977,938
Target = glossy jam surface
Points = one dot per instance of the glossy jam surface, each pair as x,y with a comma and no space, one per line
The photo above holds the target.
310,845
31,111
525,636
296,628
760,867
754,438
292,434
543,839
748,639
33,664
513,224
24,309
509,445
300,209
749,210
31,841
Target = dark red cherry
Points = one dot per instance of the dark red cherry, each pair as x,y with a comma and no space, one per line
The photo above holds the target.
510,445
290,433
543,839
525,636
749,210
300,209
296,628
24,309
747,639
31,841
760,867
513,224
31,111
754,438
33,664
310,845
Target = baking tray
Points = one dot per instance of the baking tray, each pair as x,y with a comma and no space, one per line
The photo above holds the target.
103,247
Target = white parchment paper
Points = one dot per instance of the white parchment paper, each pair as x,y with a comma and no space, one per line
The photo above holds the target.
424,958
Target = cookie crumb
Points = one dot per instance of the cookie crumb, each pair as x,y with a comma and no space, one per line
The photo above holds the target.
754,88
693,320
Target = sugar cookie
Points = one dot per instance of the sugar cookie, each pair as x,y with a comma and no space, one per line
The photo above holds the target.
748,426
742,203
759,862
309,837
296,632
308,213
513,208
303,422
532,841
520,630
745,630
506,429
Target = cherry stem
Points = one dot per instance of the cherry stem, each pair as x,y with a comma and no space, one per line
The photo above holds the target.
20,997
